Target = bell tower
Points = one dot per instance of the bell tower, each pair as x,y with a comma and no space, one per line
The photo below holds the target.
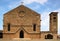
54,22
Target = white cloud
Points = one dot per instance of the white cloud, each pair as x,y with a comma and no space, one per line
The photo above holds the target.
45,21
17,3
59,23
37,1
35,7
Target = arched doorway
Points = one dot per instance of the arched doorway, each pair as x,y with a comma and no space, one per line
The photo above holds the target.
21,34
49,36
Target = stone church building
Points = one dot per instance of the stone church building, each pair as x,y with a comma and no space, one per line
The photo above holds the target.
22,22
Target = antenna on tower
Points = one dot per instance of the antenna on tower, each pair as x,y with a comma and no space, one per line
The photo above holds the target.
22,3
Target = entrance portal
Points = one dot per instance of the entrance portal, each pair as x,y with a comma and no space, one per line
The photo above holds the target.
21,34
49,36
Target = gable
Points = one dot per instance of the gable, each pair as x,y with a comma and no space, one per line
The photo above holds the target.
23,9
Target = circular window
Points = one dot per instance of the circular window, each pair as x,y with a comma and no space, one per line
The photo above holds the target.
21,13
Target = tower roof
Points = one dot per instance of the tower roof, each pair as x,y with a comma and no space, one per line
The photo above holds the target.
53,13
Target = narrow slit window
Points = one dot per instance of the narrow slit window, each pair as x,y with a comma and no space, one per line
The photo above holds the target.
8,27
34,27
54,19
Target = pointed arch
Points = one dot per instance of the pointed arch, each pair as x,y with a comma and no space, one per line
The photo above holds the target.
21,34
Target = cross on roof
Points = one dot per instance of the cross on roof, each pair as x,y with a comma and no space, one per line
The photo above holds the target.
22,3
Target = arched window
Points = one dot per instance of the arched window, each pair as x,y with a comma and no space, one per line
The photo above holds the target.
8,26
34,27
49,36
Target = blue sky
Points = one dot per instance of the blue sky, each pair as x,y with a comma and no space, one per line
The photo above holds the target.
43,7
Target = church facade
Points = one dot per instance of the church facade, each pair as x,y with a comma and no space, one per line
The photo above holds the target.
22,22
